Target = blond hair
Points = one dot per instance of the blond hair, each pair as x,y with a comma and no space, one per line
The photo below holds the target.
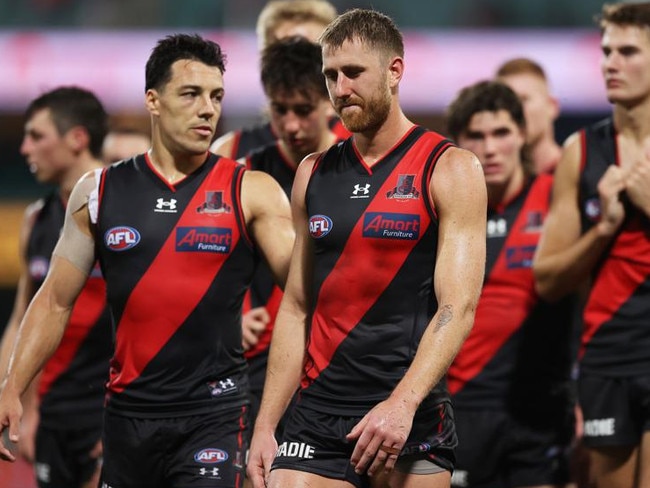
276,12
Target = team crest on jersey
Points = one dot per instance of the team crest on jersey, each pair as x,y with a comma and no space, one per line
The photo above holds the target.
520,257
203,239
405,190
534,222
320,226
592,209
214,204
121,238
388,225
38,266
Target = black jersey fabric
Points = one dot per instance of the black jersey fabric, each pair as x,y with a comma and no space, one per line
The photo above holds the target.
616,336
375,236
71,388
177,261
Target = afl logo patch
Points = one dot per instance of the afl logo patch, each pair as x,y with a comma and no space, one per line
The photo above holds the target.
121,238
319,226
211,456
592,209
38,267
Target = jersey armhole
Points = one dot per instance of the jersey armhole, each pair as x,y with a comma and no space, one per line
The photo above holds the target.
95,195
429,166
238,176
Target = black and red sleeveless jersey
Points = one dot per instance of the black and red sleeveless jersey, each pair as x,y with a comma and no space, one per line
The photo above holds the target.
72,382
519,350
251,138
375,238
177,260
616,333
263,291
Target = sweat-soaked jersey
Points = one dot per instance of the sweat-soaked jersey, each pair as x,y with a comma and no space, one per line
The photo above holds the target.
616,333
374,236
177,260
518,354
71,387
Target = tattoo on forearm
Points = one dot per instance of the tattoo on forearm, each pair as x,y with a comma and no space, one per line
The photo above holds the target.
445,314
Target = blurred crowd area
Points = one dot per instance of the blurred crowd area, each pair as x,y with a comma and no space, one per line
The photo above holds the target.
29,41
242,13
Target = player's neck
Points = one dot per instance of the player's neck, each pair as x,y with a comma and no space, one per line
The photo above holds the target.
545,154
633,122
173,167
500,195
374,145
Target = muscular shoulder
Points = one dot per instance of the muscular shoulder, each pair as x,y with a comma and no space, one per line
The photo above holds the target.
457,179
456,163
223,145
261,194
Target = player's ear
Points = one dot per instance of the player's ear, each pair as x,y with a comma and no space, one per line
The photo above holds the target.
396,71
151,101
77,139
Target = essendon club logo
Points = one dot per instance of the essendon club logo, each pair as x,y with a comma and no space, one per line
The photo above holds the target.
404,189
214,204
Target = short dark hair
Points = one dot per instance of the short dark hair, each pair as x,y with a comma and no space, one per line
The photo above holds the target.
634,14
180,46
293,64
370,27
72,106
484,96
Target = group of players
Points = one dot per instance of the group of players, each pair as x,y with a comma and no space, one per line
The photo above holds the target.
476,304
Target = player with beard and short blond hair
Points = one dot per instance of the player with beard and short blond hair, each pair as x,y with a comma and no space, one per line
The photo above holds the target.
384,281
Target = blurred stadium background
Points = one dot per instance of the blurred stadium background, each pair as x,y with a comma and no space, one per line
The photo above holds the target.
103,45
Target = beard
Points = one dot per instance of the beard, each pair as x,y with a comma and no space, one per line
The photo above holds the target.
368,116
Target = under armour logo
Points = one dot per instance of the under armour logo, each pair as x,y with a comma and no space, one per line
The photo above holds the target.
209,471
166,206
361,191
227,383
171,204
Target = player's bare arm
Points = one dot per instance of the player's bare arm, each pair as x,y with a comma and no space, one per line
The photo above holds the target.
459,197
268,216
24,291
289,337
564,257
47,315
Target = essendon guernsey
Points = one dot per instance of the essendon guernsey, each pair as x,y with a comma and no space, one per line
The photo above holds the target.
177,261
72,381
616,337
519,350
374,238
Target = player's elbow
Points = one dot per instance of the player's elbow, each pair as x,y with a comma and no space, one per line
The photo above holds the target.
547,285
